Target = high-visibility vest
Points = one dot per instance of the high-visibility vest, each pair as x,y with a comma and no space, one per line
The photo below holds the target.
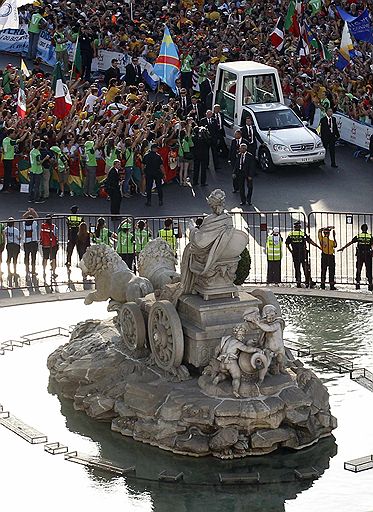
124,242
74,221
142,238
296,236
168,236
274,251
364,239
103,238
47,235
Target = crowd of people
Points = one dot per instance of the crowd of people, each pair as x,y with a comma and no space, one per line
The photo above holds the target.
117,117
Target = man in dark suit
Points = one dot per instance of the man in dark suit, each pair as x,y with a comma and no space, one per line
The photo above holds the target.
112,72
205,90
250,135
244,172
219,116
133,72
234,152
184,101
329,134
212,126
196,110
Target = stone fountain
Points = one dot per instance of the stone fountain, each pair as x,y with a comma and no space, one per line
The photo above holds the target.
190,363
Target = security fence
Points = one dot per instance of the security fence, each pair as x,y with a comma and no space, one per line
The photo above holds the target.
258,225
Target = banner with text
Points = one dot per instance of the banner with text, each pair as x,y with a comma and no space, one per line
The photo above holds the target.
353,131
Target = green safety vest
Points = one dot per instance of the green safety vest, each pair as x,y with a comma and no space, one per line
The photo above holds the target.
297,236
2,238
103,238
124,242
364,238
90,154
35,163
142,237
168,236
274,251
74,221
109,158
34,23
8,148
60,47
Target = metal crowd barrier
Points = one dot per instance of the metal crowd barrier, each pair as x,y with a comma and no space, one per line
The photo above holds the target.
257,224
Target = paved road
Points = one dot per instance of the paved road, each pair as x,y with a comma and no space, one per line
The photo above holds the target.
348,188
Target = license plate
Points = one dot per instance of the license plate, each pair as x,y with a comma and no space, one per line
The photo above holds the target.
305,159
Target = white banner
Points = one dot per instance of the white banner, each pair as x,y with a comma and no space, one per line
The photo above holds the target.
105,57
353,131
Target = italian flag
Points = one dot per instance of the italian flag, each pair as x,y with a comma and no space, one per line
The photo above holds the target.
21,100
62,98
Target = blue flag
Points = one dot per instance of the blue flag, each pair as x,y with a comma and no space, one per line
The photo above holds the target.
167,65
360,26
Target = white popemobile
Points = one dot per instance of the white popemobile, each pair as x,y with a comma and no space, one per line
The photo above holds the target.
250,88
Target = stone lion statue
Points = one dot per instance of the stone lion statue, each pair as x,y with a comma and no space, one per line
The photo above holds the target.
157,263
114,280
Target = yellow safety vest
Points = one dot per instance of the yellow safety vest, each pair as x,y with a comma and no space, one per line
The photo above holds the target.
74,221
274,251
168,236
364,238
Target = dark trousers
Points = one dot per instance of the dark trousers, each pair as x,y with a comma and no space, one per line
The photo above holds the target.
330,145
86,65
71,243
364,259
298,261
221,145
128,258
274,271
199,166
243,182
34,187
115,200
149,185
215,154
8,166
31,250
327,261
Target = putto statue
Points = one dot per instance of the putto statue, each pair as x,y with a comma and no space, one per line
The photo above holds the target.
114,280
157,263
210,259
228,355
271,340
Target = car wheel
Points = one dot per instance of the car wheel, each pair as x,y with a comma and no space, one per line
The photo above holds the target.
265,160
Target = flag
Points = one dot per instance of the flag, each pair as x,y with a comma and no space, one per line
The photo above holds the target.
277,35
291,21
315,6
346,50
9,15
62,99
25,70
317,44
77,60
167,65
359,26
303,49
324,52
21,100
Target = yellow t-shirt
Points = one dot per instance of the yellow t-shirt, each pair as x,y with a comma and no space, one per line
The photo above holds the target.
327,245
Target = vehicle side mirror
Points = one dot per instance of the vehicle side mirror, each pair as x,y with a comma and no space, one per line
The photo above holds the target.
305,123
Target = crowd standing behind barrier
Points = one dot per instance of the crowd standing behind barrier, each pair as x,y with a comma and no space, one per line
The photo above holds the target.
55,260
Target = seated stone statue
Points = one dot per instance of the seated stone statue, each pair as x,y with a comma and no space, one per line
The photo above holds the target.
210,259
113,279
271,339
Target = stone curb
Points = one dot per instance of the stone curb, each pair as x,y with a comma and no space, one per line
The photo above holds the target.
36,299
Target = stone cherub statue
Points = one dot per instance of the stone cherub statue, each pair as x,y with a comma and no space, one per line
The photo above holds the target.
271,339
228,354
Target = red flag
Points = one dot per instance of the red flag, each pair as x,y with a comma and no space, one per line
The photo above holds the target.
277,35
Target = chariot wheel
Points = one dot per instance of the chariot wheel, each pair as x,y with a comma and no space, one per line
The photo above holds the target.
166,336
132,325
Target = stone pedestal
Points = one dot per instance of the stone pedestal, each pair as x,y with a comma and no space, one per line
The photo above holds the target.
205,322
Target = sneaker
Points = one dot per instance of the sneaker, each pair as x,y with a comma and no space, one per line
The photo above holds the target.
30,201
40,201
92,196
85,195
61,194
143,194
71,193
126,195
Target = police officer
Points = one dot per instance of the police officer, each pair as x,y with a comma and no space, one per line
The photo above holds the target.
73,222
364,253
296,242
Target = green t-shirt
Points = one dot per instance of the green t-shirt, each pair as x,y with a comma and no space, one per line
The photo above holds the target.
34,25
60,47
8,148
90,154
109,158
129,155
35,165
